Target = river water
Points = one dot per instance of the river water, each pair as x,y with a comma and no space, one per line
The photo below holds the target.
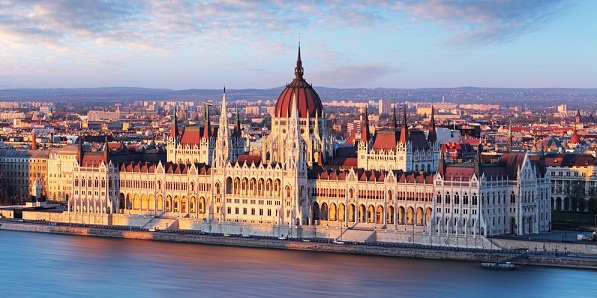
46,265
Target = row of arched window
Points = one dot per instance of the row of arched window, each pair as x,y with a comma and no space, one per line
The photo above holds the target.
447,199
90,182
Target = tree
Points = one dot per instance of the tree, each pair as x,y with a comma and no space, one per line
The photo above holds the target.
592,203
576,194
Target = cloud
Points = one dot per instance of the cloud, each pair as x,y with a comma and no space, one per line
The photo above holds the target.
157,24
484,22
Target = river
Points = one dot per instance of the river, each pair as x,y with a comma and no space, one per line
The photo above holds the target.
47,265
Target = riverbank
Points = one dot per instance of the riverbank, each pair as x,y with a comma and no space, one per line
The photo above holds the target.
376,249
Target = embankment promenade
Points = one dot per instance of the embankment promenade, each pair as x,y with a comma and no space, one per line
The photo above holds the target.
508,251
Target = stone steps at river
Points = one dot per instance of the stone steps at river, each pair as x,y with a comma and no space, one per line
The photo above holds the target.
162,224
359,236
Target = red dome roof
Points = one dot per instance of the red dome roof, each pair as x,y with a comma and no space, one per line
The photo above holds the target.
308,102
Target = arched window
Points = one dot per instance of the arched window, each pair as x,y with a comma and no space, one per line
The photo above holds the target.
512,198
465,198
448,197
456,198
439,198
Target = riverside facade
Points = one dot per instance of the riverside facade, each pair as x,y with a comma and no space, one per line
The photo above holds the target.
394,182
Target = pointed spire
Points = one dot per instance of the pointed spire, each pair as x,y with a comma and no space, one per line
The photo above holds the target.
80,151
174,130
432,135
222,153
574,139
237,133
394,120
442,163
298,70
224,130
294,113
478,161
365,135
404,128
207,127
106,150
510,134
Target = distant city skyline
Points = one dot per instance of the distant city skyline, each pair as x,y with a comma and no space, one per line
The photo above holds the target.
244,44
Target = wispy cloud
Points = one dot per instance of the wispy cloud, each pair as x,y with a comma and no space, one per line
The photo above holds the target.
484,22
65,23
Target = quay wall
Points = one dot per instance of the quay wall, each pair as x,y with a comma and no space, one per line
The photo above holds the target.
273,243
540,246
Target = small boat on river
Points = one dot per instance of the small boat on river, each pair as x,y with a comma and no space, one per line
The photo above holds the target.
498,266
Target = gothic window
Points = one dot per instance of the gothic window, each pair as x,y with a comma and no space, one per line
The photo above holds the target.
512,198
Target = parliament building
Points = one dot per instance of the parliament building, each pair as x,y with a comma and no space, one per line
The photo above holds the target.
394,185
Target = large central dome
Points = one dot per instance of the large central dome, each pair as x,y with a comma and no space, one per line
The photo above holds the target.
308,102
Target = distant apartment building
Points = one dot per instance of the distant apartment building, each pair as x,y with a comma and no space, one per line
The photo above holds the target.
12,115
252,110
103,115
480,107
385,106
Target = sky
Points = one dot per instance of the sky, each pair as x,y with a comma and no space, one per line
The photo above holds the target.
180,44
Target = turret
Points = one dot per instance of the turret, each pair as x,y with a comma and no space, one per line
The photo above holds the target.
222,154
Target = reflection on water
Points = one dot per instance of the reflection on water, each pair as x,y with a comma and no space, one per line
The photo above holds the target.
43,265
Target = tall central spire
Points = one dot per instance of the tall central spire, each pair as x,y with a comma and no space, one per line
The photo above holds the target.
298,70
